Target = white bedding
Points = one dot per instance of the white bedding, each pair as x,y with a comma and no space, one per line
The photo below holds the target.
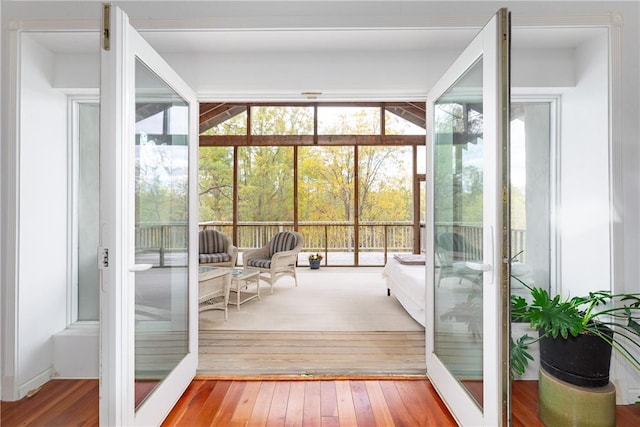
407,284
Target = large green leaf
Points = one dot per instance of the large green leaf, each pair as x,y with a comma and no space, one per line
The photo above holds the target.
520,357
554,316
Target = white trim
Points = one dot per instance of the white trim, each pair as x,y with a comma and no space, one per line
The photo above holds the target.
10,220
619,367
1,224
73,149
36,382
555,197
116,395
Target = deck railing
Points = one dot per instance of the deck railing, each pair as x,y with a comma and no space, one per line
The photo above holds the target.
377,239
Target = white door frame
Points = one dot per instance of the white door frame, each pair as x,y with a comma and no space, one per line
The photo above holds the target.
117,177
486,45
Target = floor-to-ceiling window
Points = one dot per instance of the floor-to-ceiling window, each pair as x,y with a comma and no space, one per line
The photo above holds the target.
343,174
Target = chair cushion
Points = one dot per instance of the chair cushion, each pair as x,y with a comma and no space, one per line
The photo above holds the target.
211,242
259,263
283,241
211,258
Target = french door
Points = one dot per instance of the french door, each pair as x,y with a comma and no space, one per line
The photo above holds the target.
148,176
467,335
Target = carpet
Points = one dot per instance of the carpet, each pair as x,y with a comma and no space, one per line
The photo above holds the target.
329,299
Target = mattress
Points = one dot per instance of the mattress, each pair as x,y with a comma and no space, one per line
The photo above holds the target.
407,283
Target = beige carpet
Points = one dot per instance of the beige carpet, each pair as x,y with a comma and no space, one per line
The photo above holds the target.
329,299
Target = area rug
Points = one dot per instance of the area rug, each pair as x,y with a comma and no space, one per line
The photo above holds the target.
328,299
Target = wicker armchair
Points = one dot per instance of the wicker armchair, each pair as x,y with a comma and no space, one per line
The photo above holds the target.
216,249
276,259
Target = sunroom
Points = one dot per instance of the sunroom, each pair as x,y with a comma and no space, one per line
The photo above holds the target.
566,134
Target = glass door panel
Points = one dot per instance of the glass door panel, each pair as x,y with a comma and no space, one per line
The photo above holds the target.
467,344
458,197
161,224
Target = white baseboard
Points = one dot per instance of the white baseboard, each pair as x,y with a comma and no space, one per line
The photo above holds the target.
35,383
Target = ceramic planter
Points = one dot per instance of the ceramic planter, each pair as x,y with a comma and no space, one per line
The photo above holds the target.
583,360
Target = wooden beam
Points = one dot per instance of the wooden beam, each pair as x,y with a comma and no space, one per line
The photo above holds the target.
302,140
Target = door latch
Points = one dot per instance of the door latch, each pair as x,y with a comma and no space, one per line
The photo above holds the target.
103,257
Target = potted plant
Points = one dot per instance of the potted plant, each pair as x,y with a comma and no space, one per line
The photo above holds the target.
314,261
590,326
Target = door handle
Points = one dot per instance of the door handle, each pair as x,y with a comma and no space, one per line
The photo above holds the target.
140,267
478,266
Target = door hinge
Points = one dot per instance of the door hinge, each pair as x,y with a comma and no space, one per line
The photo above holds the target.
103,257
106,26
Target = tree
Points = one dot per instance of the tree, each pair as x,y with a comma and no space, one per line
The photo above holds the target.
265,186
215,183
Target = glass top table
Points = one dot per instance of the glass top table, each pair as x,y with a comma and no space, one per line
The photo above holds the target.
242,281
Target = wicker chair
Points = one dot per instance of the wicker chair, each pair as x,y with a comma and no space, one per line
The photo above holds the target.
452,251
276,259
216,249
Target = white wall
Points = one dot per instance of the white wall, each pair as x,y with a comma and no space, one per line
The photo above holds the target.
42,228
361,75
584,223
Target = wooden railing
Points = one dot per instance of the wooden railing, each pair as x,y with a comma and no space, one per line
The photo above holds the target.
166,242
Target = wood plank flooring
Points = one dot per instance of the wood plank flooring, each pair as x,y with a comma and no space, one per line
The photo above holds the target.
310,403
232,353
341,402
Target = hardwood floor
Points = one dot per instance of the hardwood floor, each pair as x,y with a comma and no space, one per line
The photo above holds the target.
310,403
339,402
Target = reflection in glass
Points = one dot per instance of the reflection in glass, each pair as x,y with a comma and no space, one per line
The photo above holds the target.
161,230
458,202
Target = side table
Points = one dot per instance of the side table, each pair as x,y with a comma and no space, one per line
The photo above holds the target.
240,280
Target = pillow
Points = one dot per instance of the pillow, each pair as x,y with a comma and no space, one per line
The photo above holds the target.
411,259
283,241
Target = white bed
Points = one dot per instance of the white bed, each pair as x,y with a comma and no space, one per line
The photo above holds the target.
407,283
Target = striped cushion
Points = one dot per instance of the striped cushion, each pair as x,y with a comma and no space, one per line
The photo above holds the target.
284,241
211,258
211,242
259,263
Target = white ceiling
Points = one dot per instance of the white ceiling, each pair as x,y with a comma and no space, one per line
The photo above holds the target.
234,41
